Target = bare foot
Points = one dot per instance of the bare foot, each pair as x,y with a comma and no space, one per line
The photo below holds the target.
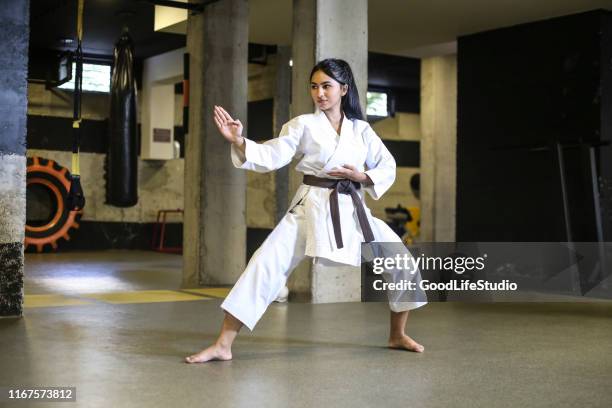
214,352
405,343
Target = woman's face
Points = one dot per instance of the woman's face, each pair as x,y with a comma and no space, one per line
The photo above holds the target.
326,92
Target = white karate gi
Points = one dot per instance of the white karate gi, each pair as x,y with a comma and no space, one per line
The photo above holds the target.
307,229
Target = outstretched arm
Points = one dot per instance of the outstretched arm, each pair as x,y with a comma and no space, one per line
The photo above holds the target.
260,157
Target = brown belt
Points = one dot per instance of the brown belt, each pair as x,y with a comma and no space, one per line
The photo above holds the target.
342,186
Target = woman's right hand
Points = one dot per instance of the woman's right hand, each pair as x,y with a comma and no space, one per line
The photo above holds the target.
230,129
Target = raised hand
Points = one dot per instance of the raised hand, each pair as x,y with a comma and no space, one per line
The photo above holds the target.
230,129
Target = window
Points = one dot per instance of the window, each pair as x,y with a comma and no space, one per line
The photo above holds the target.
377,104
96,78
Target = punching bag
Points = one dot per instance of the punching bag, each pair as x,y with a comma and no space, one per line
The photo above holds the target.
122,154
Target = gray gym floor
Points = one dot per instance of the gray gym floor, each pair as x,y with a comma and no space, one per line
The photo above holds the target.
300,355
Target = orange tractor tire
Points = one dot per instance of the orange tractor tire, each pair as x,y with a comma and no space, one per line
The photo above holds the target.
56,179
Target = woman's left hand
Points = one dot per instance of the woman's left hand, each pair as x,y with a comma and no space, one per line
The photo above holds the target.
349,172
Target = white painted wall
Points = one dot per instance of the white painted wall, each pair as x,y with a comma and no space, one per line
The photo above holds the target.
160,73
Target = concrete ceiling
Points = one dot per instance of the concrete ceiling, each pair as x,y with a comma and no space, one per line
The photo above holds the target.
420,28
54,20
415,28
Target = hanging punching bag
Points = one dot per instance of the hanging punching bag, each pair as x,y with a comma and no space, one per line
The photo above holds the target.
122,155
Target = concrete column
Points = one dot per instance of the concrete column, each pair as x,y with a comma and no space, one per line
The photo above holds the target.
282,103
325,29
438,148
14,31
215,221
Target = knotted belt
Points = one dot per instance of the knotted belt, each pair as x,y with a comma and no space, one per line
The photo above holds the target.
342,186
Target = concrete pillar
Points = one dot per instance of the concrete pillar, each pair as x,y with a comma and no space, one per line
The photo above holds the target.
324,29
438,148
282,103
214,237
14,31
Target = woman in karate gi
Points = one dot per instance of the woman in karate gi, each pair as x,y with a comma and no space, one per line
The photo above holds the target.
334,143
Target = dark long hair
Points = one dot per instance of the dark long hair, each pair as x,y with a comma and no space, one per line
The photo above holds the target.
341,71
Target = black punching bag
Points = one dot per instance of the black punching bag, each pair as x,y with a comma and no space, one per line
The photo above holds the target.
122,156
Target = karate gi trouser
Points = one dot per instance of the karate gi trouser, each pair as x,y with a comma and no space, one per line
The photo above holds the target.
272,263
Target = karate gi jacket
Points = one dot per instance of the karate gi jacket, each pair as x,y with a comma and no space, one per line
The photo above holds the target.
312,139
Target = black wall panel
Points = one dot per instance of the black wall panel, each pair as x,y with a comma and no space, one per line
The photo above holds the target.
55,133
260,120
399,76
522,90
